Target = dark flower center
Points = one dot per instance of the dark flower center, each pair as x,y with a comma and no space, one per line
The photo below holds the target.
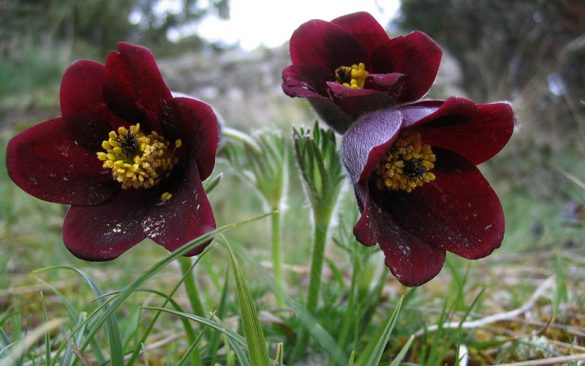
129,144
353,76
407,164
138,160
414,168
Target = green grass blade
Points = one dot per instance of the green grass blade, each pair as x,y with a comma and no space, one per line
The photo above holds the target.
351,361
68,354
318,333
186,357
168,298
112,329
372,354
210,323
315,329
188,329
74,319
253,332
20,348
239,352
48,360
214,339
191,287
400,356
104,315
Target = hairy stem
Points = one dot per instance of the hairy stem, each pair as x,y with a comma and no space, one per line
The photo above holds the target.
277,258
319,240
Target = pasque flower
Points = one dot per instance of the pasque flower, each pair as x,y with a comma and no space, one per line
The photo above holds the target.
125,154
416,182
350,66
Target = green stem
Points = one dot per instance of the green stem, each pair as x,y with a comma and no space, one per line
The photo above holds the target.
191,286
349,316
316,266
277,258
318,256
194,300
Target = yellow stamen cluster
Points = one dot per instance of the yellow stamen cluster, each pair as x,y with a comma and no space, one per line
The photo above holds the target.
353,76
138,160
407,165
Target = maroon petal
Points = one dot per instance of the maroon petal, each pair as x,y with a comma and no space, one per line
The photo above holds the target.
356,102
458,212
200,132
412,260
305,80
364,28
368,139
51,161
134,88
416,55
104,232
322,43
338,91
391,83
186,216
82,88
477,137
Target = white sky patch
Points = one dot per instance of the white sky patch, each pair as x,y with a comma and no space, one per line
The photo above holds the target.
270,23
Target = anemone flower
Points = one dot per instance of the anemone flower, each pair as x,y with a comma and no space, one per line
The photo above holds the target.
350,66
417,185
127,156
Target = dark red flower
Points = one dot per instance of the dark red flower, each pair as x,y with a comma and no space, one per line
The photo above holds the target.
125,154
350,66
415,178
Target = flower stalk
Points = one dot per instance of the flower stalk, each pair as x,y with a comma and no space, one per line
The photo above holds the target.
277,256
323,177
191,286
317,259
262,161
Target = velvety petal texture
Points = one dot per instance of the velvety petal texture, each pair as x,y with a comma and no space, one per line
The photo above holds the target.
400,69
412,260
416,56
363,27
47,162
200,129
134,88
104,232
82,88
57,160
189,215
457,211
324,44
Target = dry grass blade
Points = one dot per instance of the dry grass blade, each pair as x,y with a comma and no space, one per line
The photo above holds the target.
548,361
31,338
496,317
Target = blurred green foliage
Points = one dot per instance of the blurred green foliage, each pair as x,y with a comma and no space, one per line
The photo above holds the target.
38,38
100,23
503,45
